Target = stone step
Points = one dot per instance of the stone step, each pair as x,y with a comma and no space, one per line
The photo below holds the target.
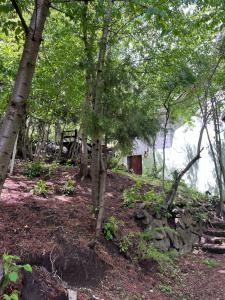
219,225
206,239
213,248
215,232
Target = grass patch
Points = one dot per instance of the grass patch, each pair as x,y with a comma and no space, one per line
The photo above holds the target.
211,263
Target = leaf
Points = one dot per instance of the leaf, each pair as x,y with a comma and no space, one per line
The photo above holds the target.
27,268
155,11
13,276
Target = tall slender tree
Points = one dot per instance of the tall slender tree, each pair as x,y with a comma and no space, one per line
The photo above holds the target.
17,104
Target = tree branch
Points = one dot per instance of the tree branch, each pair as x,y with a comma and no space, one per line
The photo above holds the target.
17,9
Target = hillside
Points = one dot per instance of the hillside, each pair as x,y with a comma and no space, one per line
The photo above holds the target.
52,232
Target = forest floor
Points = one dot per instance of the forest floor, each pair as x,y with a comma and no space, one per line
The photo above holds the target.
54,232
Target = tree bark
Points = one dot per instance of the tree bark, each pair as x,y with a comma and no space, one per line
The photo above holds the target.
16,108
88,96
96,97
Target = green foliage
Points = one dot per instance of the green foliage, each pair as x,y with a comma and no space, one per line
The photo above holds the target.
124,244
148,251
34,169
69,187
11,273
69,162
167,289
157,200
147,235
110,228
40,188
114,163
13,296
37,168
131,195
52,167
191,192
202,216
211,263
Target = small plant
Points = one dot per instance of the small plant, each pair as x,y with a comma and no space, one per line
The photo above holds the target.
130,196
40,188
167,289
148,251
51,167
124,244
157,200
69,187
69,162
110,228
34,169
211,263
202,216
11,273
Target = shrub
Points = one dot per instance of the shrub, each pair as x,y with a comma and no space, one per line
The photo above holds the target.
51,167
157,200
124,244
34,169
167,289
69,163
131,195
11,273
110,228
211,263
40,188
69,187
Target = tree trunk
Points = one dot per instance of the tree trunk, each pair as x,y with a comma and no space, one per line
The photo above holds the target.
103,176
96,99
12,164
172,193
84,155
16,109
95,173
164,147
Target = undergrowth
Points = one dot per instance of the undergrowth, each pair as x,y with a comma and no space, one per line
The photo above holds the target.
11,272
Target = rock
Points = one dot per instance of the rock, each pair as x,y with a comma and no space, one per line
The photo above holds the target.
187,220
162,245
179,223
143,218
175,240
139,215
159,235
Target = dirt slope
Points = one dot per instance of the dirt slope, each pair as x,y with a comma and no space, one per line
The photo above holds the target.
54,232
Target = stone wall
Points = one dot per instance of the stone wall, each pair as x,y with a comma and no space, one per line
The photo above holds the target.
180,230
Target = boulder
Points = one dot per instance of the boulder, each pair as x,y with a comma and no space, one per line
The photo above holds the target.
162,245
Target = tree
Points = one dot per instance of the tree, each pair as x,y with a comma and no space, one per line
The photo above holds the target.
17,104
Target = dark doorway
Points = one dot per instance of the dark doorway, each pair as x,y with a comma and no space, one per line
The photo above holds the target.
134,164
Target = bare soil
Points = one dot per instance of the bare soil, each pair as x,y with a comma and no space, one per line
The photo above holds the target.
53,233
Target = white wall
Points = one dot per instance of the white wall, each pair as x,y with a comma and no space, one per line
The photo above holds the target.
202,174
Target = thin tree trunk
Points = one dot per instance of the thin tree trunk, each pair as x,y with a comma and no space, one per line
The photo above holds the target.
164,147
88,96
84,155
218,174
16,108
103,176
221,181
13,157
172,193
154,156
96,94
